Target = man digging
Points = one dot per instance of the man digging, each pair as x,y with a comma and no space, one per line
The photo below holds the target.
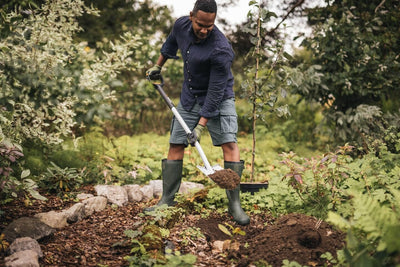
207,99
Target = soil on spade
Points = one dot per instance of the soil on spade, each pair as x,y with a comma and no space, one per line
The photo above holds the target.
100,239
226,178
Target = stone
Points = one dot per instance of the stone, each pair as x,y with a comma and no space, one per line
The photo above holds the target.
115,194
190,187
26,258
75,213
54,219
157,187
27,227
94,204
147,191
25,243
134,192
234,245
217,246
186,187
83,196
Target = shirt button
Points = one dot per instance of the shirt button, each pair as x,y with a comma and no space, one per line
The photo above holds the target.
190,80
187,52
191,88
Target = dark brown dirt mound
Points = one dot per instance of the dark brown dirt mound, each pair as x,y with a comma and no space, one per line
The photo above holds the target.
294,237
226,179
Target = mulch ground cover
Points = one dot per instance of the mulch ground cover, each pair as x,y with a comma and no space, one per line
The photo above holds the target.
100,240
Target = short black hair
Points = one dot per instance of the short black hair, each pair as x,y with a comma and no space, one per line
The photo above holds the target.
209,6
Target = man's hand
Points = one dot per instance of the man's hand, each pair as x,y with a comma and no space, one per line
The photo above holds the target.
153,74
196,134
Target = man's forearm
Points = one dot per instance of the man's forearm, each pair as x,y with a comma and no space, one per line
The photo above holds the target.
161,60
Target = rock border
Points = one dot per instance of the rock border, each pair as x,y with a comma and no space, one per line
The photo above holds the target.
24,232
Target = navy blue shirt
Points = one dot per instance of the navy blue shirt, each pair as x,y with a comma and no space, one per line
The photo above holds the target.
207,66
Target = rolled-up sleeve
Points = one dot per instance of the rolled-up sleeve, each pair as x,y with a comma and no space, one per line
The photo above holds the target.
221,61
170,46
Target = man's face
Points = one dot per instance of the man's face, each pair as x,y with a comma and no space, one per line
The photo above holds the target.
202,23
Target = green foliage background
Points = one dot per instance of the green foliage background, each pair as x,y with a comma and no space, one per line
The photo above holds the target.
355,46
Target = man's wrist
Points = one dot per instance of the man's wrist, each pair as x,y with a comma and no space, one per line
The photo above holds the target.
203,121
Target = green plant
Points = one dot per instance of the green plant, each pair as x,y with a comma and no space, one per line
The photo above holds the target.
287,263
122,160
258,89
191,233
256,203
165,216
139,255
230,230
358,83
13,178
176,259
146,245
147,240
216,200
194,202
262,263
357,195
50,82
61,180
318,181
373,236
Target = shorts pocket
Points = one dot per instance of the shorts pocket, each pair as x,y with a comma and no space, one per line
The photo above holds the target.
229,123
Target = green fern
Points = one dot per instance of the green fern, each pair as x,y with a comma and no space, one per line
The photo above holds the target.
373,231
372,218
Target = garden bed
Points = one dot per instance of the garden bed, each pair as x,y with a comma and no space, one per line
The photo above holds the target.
100,239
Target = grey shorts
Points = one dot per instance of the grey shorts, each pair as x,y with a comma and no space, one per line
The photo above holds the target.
223,128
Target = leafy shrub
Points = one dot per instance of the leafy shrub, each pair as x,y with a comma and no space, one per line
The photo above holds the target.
67,158
60,180
318,181
13,179
358,82
121,160
50,82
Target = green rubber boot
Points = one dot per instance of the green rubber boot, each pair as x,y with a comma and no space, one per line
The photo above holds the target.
234,207
171,181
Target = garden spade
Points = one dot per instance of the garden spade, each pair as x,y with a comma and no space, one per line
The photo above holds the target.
207,169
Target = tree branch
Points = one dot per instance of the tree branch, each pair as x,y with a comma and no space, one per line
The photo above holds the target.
299,3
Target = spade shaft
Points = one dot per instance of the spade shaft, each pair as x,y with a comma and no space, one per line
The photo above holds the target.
207,169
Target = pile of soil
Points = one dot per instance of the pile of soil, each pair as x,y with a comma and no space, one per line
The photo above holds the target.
100,239
226,178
